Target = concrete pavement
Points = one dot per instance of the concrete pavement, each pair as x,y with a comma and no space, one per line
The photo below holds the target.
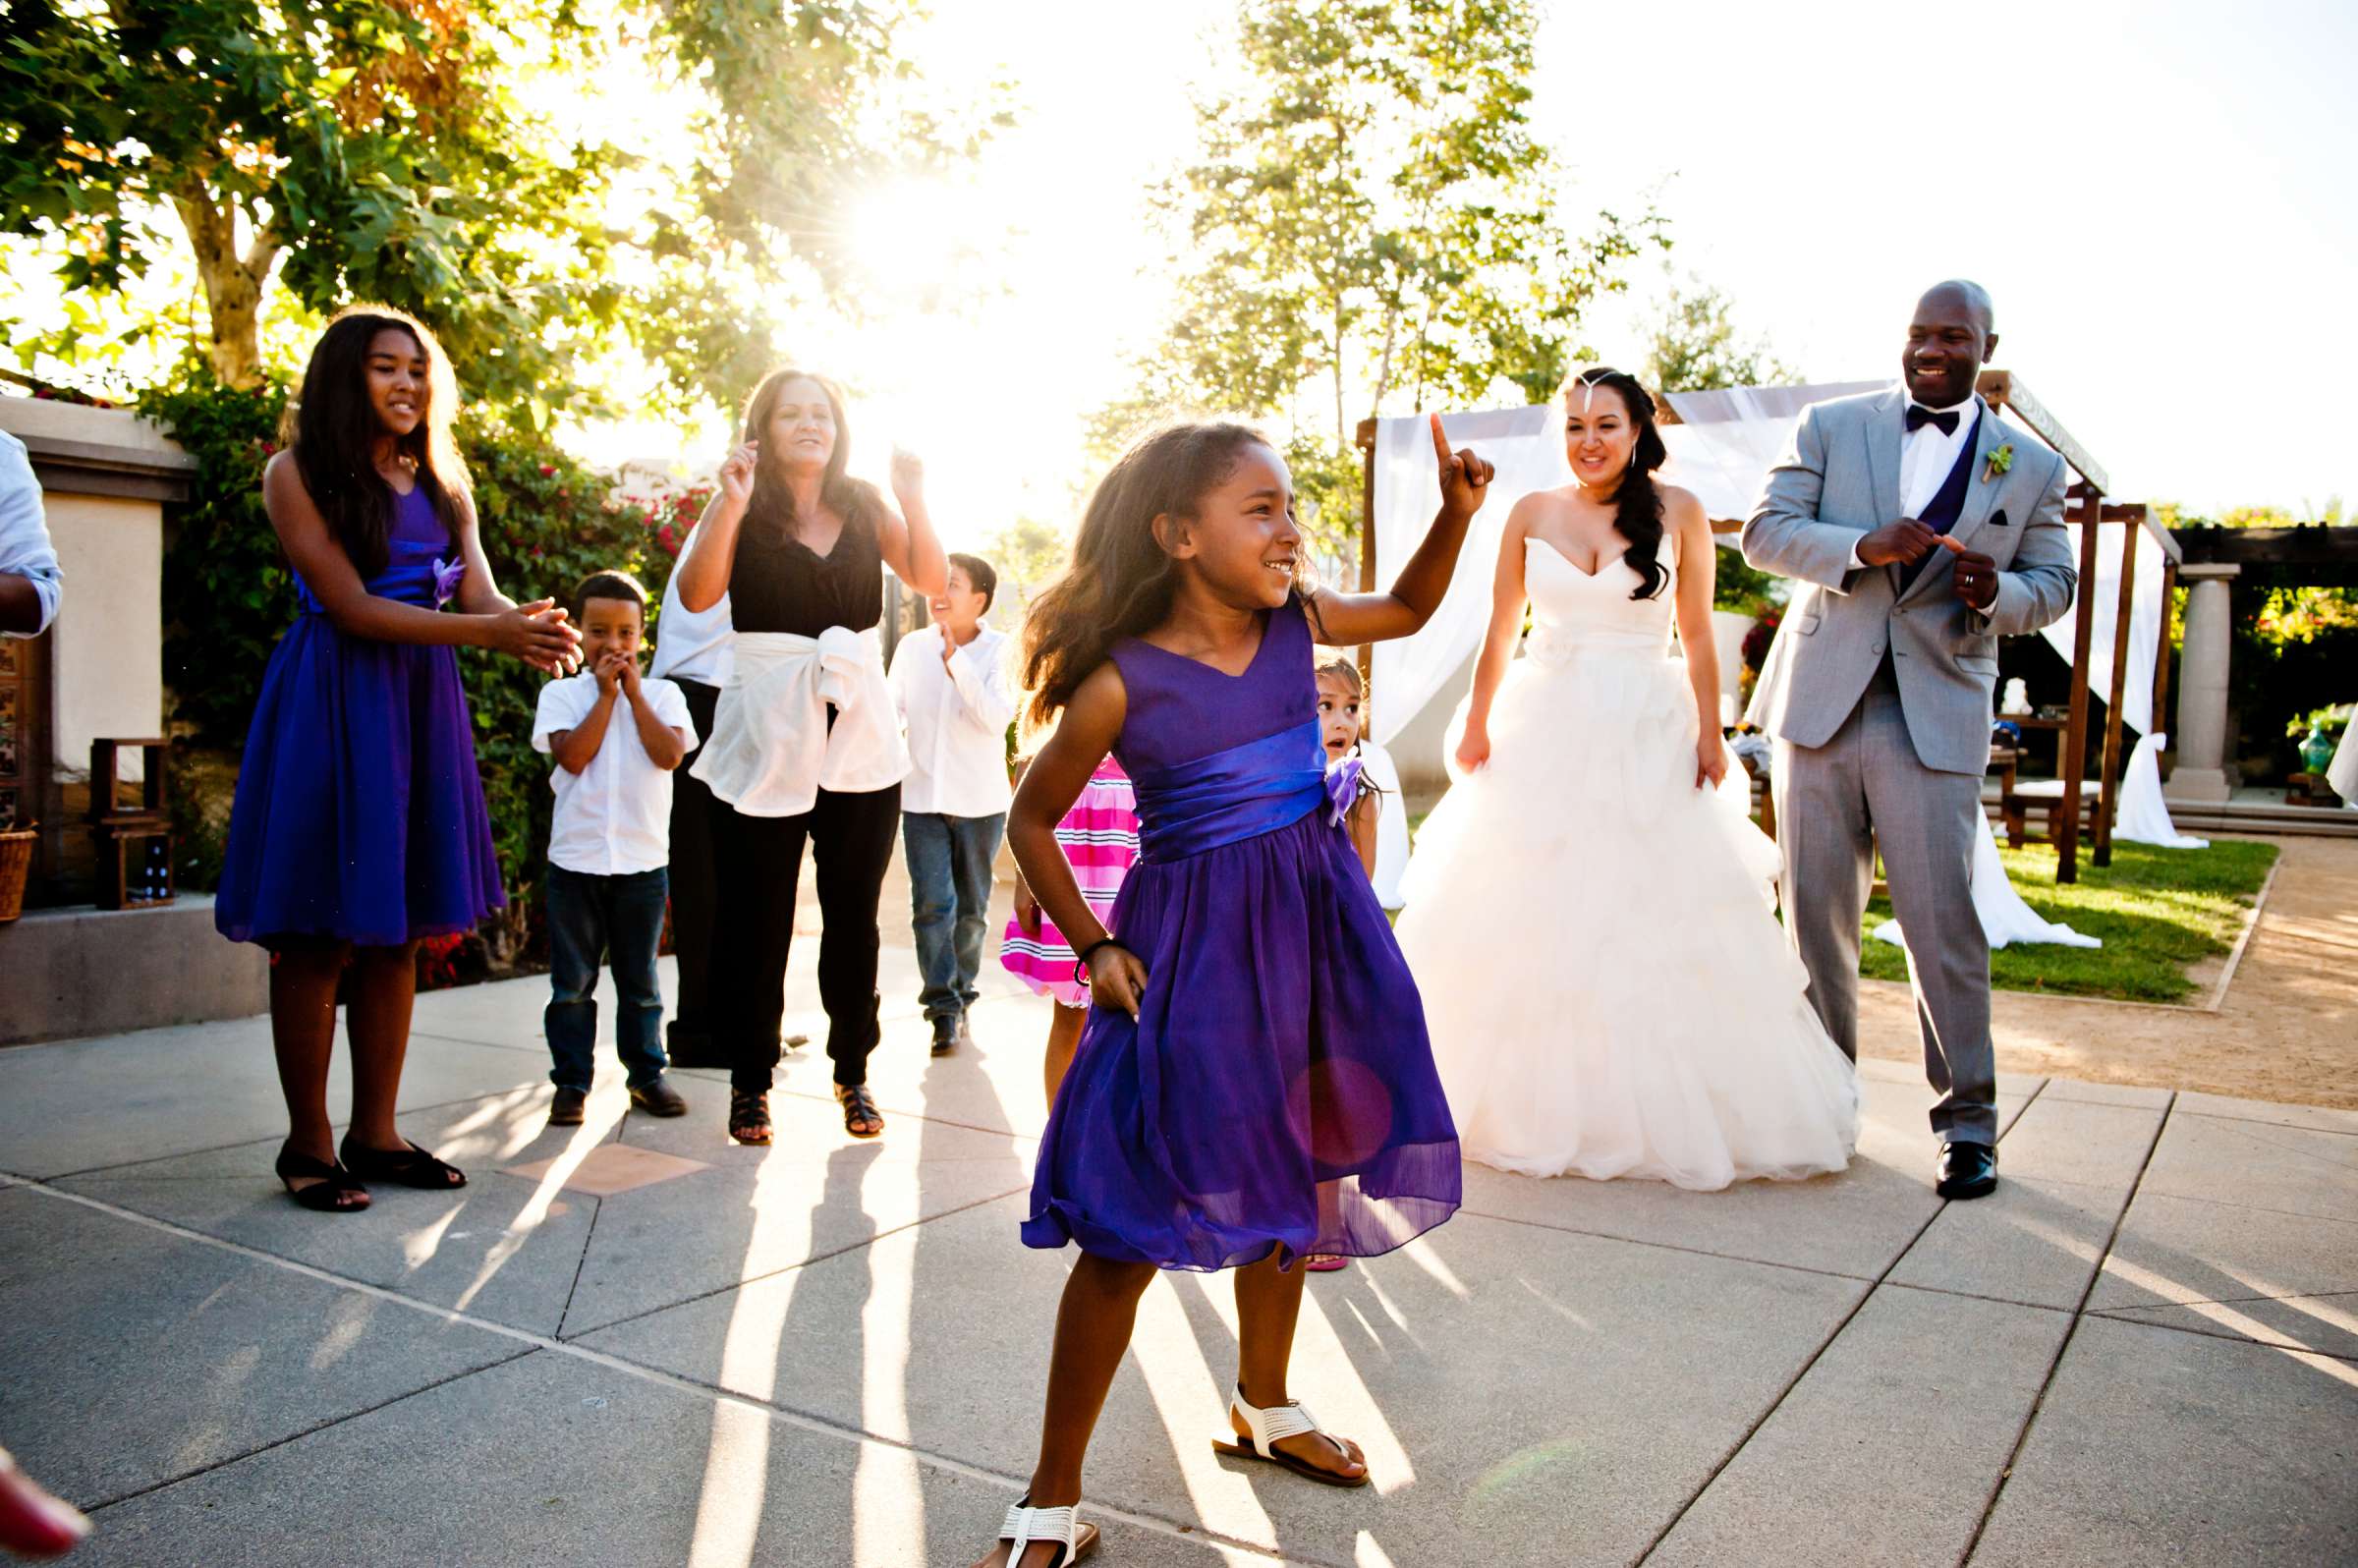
653,1347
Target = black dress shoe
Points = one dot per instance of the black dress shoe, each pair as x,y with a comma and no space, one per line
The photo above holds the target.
658,1099
1966,1170
945,1033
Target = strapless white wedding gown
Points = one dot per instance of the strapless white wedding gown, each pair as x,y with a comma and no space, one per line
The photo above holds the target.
1606,985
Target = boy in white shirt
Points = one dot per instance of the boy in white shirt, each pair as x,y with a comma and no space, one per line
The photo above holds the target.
951,684
609,847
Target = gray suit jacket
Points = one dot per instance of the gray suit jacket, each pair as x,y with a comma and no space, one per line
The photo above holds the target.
1839,479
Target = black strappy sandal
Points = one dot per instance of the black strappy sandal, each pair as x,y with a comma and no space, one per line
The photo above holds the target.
407,1166
861,1117
334,1192
749,1116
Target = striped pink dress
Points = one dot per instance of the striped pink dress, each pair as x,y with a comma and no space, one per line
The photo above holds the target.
1099,838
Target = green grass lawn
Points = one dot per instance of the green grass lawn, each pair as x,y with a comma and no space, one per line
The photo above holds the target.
2157,911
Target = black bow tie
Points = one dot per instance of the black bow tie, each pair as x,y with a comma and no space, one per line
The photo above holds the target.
1919,416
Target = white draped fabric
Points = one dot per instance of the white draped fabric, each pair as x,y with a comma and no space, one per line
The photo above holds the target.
2343,771
2005,919
1527,449
1727,440
2143,818
1721,453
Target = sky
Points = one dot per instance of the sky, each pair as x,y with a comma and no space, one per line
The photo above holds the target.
2160,198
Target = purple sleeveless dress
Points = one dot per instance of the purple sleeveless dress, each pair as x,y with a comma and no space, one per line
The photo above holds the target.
359,814
1277,1091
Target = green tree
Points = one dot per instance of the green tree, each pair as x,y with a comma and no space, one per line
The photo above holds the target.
382,149
1370,219
1028,555
1694,347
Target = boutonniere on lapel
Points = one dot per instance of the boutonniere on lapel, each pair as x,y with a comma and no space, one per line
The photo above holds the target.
1999,462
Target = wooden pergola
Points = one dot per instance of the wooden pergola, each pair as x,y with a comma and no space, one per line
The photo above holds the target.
2084,503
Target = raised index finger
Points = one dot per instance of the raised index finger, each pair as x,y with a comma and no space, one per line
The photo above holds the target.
1440,444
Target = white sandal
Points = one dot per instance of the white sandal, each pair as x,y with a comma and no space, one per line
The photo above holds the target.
1027,1526
1277,1423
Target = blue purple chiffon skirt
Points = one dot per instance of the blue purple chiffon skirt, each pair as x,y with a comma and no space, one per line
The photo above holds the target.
1277,1092
359,814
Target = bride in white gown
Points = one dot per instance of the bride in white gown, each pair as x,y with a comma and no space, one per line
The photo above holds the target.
1588,907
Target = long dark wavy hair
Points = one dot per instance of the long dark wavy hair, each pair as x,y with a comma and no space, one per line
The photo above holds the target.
773,503
333,431
1120,582
1637,505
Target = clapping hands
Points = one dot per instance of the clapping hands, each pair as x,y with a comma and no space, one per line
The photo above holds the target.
538,634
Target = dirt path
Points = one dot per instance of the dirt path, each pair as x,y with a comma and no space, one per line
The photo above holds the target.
2288,1030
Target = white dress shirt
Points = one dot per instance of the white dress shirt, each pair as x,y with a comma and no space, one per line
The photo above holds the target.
957,717
613,818
692,645
1926,454
24,548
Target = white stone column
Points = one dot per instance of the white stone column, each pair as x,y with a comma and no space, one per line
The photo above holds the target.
2201,736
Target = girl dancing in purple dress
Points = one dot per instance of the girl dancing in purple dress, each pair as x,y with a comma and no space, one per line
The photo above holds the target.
1254,1083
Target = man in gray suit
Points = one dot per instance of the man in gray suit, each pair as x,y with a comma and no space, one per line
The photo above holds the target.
1922,528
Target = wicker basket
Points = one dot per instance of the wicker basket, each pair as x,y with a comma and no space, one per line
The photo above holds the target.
16,864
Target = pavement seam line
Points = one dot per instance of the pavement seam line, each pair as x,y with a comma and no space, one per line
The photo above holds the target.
598,1206
2079,1314
1974,1295
1815,1356
1191,1534
332,1421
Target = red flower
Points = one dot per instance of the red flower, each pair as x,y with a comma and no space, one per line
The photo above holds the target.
546,470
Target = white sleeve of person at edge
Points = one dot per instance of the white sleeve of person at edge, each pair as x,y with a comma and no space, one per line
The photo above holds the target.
2005,919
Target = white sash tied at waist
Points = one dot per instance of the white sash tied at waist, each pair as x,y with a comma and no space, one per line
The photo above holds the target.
771,751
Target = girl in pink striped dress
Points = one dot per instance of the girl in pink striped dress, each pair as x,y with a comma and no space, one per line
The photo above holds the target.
1100,837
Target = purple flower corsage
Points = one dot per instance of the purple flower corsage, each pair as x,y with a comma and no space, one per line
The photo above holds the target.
448,575
1342,785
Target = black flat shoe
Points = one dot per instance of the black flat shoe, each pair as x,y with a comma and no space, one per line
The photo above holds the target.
407,1166
333,1189
1966,1170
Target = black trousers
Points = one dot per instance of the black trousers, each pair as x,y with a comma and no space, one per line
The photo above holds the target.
758,861
694,896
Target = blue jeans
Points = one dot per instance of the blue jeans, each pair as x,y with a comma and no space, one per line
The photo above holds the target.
950,899
590,917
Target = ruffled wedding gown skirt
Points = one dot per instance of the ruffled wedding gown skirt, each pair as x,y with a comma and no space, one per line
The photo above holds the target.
1606,984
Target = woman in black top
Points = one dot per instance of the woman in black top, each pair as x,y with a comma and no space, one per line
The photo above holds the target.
805,743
